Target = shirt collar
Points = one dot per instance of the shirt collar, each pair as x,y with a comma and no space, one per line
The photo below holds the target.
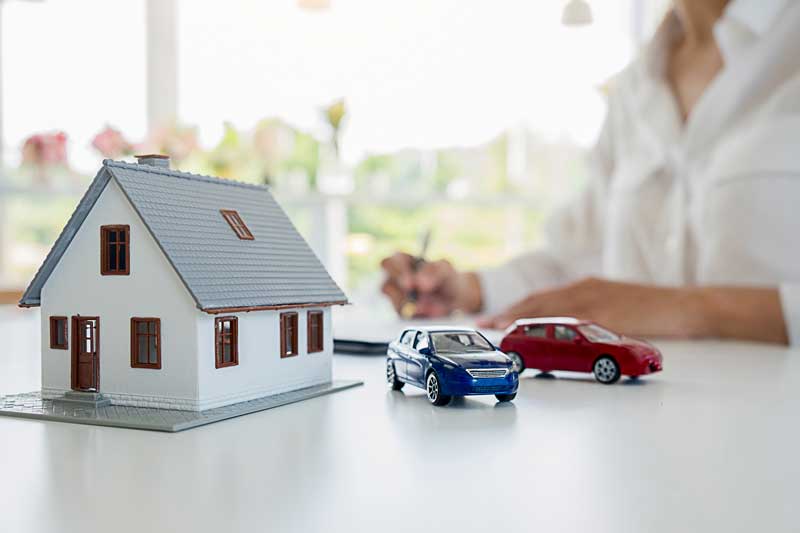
757,16
742,23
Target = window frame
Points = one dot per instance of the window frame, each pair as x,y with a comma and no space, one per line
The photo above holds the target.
237,224
54,345
315,339
135,321
105,269
219,341
292,316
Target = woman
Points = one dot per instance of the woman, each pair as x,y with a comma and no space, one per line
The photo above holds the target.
690,226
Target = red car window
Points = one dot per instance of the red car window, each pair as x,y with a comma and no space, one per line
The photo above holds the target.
565,333
538,330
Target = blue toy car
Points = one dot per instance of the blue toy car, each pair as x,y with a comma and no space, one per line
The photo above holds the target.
447,362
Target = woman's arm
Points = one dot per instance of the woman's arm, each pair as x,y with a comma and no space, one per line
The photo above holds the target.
746,313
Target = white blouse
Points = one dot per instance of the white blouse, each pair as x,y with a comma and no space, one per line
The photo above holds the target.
715,200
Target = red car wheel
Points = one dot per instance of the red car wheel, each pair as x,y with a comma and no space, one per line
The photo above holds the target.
606,370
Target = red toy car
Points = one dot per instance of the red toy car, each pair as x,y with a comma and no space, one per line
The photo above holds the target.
580,346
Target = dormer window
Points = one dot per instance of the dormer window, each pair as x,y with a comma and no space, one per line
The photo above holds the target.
115,250
237,224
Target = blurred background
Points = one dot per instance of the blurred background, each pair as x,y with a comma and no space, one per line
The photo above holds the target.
372,120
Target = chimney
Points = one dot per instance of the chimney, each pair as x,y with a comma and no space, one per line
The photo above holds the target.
155,160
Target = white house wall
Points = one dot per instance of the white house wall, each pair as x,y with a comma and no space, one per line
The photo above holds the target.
261,370
152,289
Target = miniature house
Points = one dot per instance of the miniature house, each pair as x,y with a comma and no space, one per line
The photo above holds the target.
173,290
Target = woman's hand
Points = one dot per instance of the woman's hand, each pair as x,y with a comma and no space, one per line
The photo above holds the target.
439,288
750,313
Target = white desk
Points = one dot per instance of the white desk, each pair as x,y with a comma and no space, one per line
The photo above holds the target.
710,444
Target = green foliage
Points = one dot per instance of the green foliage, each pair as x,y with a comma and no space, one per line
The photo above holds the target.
498,163
471,236
304,156
33,221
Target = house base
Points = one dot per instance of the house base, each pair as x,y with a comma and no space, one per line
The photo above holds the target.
86,400
32,405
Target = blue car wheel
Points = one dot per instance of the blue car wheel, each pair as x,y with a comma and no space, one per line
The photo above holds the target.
391,377
433,388
519,364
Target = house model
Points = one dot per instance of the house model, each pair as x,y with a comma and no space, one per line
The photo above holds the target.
179,291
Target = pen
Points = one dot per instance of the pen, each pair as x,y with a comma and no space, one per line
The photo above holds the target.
409,307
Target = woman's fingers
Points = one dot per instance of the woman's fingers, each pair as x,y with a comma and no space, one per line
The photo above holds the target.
395,294
427,281
432,275
399,269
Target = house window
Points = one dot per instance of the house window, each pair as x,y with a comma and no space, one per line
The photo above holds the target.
115,250
288,334
315,332
145,342
58,333
237,224
226,338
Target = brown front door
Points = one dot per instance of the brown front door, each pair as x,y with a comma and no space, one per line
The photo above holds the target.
86,353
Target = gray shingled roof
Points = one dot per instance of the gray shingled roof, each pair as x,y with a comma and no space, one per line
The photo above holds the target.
182,211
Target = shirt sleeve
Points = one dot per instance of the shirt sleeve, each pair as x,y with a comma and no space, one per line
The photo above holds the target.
573,241
750,218
790,302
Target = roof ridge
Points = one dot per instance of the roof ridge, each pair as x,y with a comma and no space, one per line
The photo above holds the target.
184,175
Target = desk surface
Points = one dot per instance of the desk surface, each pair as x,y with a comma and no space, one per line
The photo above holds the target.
710,444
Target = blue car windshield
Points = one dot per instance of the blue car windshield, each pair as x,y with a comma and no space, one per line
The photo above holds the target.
459,342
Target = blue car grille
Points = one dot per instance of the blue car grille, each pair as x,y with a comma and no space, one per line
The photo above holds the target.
487,372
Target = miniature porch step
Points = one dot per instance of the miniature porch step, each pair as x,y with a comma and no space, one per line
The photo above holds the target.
93,400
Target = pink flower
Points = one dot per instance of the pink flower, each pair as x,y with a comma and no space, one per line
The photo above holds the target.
110,143
174,140
45,149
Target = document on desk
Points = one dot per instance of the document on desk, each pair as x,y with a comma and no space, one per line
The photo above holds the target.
358,331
